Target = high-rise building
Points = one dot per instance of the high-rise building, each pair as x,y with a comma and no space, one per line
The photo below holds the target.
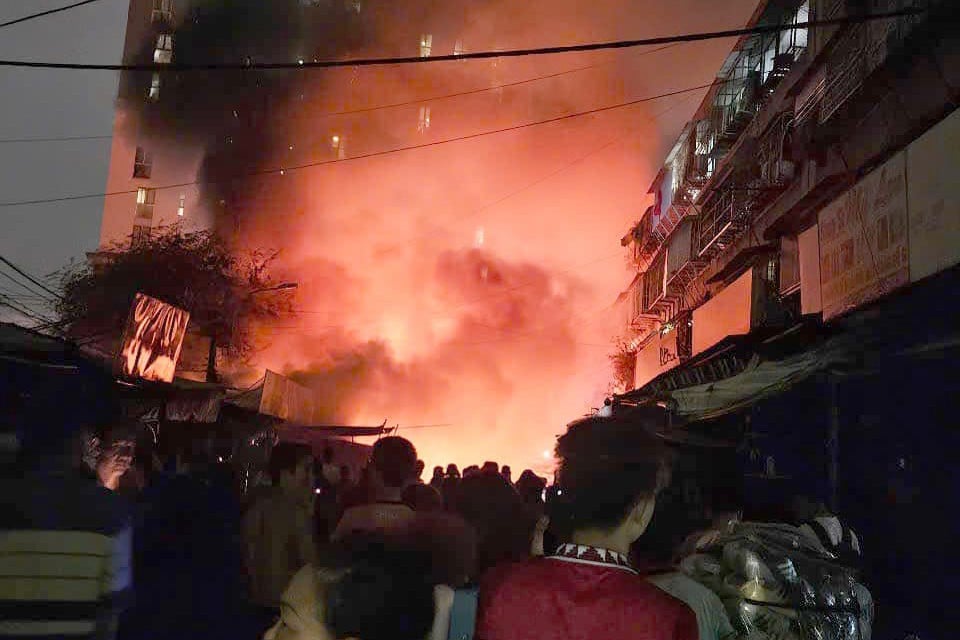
144,164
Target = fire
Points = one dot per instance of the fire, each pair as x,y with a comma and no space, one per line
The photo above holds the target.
465,284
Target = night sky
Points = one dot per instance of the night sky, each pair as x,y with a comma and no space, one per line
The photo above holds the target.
42,238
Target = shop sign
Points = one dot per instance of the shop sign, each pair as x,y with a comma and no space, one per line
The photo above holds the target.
934,199
659,355
863,240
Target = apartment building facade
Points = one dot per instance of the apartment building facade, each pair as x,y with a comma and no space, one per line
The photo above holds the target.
813,179
795,296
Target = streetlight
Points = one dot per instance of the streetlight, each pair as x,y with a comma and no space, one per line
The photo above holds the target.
212,353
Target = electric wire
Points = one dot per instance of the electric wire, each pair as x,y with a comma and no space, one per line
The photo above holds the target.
379,107
41,14
477,55
30,278
374,154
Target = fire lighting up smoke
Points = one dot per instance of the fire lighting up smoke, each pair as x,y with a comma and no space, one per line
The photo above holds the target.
466,284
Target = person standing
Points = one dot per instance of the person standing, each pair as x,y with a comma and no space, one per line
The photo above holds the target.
437,480
278,528
610,472
65,541
392,468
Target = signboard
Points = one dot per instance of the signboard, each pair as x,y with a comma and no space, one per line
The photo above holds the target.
934,199
863,240
285,399
659,355
808,243
726,314
152,339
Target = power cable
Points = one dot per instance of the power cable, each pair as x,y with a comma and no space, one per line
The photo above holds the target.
4,301
477,55
48,12
30,278
282,170
21,285
60,139
391,105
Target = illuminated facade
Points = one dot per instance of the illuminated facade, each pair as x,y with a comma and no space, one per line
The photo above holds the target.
805,130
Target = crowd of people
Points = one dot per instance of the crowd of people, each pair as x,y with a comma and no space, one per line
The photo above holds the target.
99,541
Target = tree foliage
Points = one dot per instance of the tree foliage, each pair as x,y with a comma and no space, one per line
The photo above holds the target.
623,361
196,271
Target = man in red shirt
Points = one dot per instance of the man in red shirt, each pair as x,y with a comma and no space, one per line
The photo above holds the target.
610,471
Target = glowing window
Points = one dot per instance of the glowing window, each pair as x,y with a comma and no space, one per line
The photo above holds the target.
426,45
458,49
146,198
154,93
424,122
339,146
181,205
163,54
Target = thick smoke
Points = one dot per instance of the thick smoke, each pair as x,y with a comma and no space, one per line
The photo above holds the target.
466,284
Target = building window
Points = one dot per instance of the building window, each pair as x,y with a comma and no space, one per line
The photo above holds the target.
794,41
339,146
142,163
181,205
140,235
772,271
154,93
162,11
146,198
163,54
426,45
458,49
424,122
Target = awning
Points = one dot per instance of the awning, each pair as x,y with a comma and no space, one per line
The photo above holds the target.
743,370
759,380
333,430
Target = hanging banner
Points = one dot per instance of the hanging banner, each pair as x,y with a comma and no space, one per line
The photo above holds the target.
863,240
285,399
152,339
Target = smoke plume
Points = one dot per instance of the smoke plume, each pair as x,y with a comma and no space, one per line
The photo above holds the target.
466,284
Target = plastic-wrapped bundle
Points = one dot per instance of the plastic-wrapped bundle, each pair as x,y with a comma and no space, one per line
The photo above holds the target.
778,584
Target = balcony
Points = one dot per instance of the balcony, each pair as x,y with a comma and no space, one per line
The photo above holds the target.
637,319
721,221
862,48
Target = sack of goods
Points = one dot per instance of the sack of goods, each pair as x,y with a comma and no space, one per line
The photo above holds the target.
778,584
